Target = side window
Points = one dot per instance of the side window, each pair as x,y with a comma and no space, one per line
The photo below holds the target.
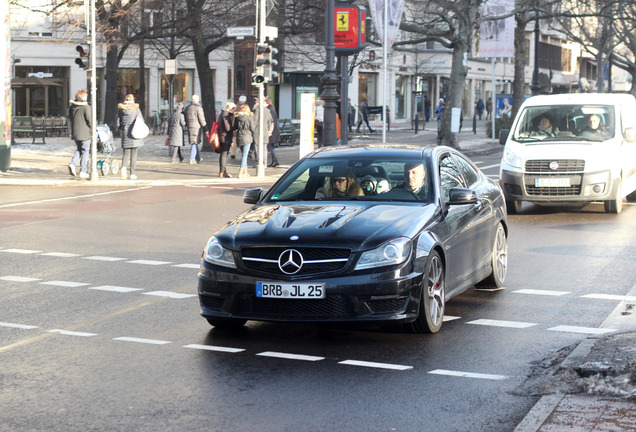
470,174
450,176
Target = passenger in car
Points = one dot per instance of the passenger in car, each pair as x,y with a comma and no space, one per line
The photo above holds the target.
340,187
369,185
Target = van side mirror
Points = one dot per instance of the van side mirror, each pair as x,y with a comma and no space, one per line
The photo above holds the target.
630,134
503,136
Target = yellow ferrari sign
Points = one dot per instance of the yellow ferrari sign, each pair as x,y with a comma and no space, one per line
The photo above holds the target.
342,21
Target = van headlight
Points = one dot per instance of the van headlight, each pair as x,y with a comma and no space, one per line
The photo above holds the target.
393,252
511,158
215,253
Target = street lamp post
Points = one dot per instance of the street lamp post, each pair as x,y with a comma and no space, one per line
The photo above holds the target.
536,84
330,80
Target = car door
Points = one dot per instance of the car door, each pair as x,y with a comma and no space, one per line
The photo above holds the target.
628,149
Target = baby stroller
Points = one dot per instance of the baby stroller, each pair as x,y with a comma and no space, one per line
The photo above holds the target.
105,144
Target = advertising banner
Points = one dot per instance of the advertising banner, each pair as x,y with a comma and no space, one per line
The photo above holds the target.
497,37
395,9
5,70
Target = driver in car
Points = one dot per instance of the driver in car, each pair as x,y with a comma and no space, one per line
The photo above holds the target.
414,180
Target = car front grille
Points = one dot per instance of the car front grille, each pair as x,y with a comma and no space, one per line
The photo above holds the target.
387,306
332,307
573,190
316,260
565,166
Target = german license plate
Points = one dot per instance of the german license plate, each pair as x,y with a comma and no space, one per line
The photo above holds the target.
552,182
290,290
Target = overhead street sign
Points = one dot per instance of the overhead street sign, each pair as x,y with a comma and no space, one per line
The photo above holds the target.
240,31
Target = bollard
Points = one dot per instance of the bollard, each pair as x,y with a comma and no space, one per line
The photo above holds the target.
417,118
474,124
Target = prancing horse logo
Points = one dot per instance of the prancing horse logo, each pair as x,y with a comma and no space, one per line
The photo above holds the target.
290,261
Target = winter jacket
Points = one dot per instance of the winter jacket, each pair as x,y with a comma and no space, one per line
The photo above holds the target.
267,125
195,119
274,138
177,128
79,114
245,125
126,116
225,123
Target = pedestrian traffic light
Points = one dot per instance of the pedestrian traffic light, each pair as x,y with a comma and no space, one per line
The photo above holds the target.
258,78
82,61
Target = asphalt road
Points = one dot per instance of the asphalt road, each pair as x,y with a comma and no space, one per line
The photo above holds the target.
99,324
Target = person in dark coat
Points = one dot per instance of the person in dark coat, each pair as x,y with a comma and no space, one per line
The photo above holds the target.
176,132
79,113
225,124
274,137
195,119
127,114
245,127
364,111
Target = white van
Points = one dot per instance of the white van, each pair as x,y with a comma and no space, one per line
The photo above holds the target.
571,149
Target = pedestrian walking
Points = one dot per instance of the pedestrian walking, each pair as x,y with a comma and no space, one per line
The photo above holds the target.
79,113
128,111
195,121
488,108
439,111
177,132
267,128
245,127
319,117
364,110
427,108
274,136
225,124
352,116
480,107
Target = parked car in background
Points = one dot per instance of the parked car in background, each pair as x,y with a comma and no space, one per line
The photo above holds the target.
358,234
571,149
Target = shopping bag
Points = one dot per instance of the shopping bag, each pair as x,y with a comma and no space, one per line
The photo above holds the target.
139,130
167,143
213,138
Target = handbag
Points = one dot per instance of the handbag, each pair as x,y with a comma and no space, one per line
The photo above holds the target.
139,130
214,138
167,143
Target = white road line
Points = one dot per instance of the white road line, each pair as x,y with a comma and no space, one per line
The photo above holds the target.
583,330
289,356
141,340
72,333
214,348
20,326
149,262
170,294
375,365
467,374
104,258
500,323
20,251
450,318
192,266
74,197
62,254
115,288
488,166
67,284
541,292
19,279
610,297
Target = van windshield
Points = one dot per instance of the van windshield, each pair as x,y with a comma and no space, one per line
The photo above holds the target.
565,123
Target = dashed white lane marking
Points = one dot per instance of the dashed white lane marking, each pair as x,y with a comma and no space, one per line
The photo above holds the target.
115,288
214,348
467,374
149,262
191,266
541,292
500,323
104,258
72,333
20,251
450,318
19,279
169,294
62,254
375,365
610,297
73,197
20,326
583,330
142,340
289,356
67,284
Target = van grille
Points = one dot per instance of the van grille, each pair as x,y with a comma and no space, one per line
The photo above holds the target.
565,165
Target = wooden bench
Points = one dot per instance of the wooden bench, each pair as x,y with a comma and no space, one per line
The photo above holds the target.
25,125
289,131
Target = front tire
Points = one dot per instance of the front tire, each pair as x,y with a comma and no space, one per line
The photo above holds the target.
513,207
615,205
499,259
433,300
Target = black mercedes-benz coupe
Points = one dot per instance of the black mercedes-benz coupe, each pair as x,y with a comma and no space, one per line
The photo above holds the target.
358,234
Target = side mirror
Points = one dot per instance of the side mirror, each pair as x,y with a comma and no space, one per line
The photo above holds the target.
503,136
252,196
461,196
630,134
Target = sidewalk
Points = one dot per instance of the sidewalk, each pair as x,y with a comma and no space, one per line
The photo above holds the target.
47,164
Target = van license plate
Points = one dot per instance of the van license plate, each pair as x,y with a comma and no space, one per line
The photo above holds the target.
290,290
552,182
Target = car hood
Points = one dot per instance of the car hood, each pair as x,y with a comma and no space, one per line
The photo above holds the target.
358,226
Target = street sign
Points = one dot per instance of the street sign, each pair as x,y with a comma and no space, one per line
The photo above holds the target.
349,29
240,31
170,66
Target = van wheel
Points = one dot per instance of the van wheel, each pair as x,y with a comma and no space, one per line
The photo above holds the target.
631,197
615,205
513,206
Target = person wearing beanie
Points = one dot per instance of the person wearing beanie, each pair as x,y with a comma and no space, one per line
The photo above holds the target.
176,132
79,113
195,120
127,114
369,185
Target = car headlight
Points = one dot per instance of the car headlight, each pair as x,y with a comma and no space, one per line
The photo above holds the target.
215,253
510,158
392,252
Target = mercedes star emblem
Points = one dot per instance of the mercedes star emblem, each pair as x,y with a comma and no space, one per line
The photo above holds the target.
290,261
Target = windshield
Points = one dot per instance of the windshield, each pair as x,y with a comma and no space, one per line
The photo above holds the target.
565,123
354,179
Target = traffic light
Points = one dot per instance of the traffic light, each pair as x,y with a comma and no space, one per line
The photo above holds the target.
270,63
257,78
82,61
264,63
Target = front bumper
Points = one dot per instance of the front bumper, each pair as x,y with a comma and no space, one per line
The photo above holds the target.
391,295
